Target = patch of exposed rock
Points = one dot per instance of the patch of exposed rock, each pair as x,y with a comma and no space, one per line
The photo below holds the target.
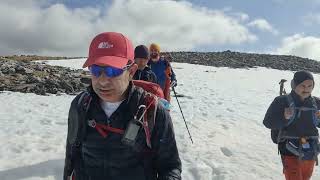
38,78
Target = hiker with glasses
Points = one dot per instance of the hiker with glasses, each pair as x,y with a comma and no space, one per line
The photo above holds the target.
141,58
293,120
117,130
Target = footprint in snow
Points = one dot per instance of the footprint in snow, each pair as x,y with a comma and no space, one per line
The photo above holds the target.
230,110
45,122
225,126
205,114
226,151
61,123
212,135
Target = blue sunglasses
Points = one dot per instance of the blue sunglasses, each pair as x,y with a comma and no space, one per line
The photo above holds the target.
109,71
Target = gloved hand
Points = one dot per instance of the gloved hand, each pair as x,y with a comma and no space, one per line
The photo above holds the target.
173,83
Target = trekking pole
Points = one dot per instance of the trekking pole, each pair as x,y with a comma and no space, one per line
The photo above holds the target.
175,94
282,90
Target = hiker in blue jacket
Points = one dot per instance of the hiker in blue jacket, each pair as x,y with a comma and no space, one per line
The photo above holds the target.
166,78
295,118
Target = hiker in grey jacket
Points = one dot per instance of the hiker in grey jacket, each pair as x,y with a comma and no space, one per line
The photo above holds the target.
295,116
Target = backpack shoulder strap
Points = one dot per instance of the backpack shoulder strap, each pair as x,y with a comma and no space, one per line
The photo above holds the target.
143,107
77,119
291,105
148,115
84,101
314,103
279,133
316,120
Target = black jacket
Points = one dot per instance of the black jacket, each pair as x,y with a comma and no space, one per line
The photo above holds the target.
300,127
146,75
107,158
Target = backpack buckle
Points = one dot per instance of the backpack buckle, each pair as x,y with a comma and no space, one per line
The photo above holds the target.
92,123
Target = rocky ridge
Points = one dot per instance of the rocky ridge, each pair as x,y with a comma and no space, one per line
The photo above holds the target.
32,77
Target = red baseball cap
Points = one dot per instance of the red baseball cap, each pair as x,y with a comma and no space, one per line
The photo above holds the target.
110,49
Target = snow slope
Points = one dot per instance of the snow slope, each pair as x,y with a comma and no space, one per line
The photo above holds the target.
224,109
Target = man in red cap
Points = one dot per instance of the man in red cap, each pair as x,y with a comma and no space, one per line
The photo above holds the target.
117,130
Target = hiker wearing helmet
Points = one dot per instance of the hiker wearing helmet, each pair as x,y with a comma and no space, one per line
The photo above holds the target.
166,78
141,58
293,120
117,130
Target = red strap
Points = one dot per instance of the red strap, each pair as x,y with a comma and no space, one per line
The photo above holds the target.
105,129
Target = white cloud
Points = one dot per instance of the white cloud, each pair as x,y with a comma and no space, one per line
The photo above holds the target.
40,28
243,16
301,45
237,15
263,25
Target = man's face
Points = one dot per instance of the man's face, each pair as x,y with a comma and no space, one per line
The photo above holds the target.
154,54
304,89
112,89
141,62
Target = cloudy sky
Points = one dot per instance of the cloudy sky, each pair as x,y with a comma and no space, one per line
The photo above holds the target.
66,27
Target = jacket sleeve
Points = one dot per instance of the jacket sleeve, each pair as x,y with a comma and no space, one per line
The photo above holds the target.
69,162
167,160
173,75
68,166
274,118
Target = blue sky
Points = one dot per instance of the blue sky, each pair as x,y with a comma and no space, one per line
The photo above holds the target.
274,26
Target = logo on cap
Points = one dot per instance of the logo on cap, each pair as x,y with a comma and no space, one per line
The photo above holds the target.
105,45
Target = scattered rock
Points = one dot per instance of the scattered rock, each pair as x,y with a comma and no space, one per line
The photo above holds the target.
32,77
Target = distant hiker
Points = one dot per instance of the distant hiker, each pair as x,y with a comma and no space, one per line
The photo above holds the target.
293,120
141,57
166,78
117,130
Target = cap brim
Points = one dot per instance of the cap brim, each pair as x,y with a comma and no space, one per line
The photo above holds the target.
113,61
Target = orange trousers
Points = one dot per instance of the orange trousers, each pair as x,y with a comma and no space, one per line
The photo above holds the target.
295,169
